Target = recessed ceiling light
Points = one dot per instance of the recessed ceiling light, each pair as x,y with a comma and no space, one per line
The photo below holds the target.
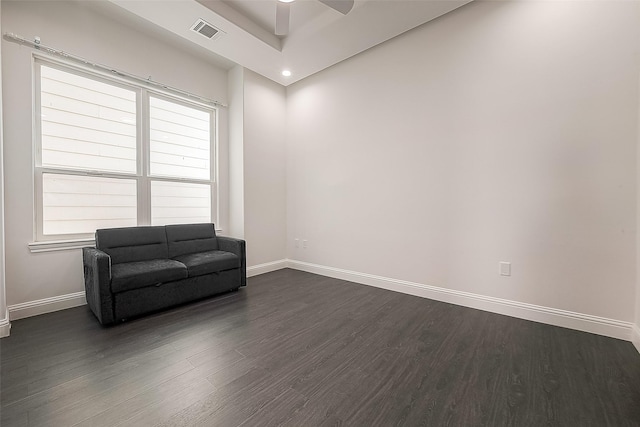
286,73
285,1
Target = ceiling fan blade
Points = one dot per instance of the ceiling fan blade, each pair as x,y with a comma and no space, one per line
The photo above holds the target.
282,18
342,6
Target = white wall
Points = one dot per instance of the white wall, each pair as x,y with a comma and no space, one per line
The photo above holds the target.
4,314
75,28
236,151
635,335
257,153
264,169
504,131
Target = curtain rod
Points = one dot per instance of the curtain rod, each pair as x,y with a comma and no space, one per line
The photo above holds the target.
38,46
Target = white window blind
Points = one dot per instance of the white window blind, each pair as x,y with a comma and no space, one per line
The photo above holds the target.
111,154
86,124
180,140
75,204
179,202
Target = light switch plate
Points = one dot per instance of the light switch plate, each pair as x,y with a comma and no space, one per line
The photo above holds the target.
504,268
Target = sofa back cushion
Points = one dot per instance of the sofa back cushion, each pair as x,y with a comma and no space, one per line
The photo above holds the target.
191,238
133,244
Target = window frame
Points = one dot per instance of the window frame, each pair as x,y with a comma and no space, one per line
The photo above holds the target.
142,175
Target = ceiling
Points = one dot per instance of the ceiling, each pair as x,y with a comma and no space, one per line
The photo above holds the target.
262,12
319,36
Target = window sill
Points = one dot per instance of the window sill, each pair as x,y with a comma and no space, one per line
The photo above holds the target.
60,245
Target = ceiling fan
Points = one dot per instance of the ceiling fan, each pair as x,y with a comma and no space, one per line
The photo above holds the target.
283,10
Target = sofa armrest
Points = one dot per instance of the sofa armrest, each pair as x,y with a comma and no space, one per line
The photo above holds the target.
238,247
97,279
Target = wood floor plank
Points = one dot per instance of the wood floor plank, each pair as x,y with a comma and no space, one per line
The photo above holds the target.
297,349
155,404
77,402
231,404
279,411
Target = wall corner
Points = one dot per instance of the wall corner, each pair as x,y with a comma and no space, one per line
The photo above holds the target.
5,326
235,81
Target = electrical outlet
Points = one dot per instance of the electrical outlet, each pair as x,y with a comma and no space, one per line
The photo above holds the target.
304,244
297,242
504,268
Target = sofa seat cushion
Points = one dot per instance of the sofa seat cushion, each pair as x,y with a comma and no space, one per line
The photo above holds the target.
134,275
202,263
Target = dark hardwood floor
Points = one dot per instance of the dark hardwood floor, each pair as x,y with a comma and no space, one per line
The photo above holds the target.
298,349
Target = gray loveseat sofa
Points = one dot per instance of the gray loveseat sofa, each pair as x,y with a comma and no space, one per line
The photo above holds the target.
137,270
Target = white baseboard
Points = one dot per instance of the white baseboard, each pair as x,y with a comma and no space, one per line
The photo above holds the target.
46,305
552,316
5,325
266,267
635,336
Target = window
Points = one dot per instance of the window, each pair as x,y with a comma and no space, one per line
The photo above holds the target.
112,154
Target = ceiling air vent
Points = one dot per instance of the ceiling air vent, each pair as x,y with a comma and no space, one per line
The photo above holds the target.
203,27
